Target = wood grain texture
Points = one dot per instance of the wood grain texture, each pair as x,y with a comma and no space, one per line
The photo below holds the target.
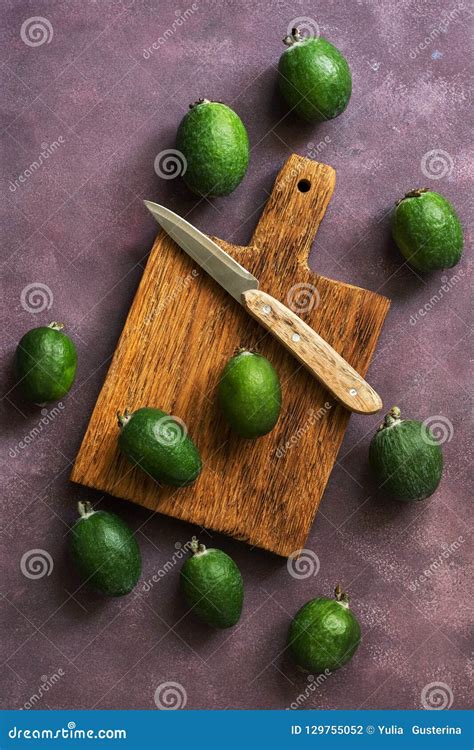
332,370
181,330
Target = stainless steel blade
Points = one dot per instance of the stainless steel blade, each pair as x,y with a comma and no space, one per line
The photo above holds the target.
216,262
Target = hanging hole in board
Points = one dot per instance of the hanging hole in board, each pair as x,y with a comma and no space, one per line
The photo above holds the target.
304,186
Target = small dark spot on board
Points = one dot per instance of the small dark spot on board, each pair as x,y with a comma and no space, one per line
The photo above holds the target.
304,186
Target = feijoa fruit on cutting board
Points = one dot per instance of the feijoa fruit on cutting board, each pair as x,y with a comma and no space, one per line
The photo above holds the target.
159,444
250,394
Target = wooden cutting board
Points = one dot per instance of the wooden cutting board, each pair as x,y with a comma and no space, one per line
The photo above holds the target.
181,330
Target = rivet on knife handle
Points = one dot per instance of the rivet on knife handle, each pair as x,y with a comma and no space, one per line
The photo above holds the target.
332,370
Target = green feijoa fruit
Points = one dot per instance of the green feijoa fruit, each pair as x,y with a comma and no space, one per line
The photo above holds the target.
406,459
250,394
324,634
427,230
314,78
45,363
105,552
212,585
215,145
159,444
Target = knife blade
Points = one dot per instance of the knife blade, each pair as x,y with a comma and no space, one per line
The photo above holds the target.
327,365
220,265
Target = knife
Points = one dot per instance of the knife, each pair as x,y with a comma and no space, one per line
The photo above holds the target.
332,370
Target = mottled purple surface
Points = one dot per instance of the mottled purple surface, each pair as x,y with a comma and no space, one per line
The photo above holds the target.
77,225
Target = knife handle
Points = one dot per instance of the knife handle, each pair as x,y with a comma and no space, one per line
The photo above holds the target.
332,370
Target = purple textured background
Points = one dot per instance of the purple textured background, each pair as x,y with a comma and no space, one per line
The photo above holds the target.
78,226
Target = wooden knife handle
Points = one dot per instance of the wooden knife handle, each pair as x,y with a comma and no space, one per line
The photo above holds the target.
332,370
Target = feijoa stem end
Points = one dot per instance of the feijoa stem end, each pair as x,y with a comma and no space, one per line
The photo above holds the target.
292,38
199,101
341,596
85,508
56,326
124,418
393,417
413,194
416,192
196,547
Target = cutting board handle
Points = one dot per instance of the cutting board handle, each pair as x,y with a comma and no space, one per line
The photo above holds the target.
295,209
